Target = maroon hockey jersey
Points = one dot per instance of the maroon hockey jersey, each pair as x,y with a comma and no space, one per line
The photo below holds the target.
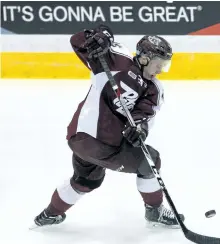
100,114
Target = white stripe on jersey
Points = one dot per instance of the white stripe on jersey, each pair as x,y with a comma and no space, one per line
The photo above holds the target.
89,114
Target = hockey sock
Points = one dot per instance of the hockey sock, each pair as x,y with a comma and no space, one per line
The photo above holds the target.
63,198
150,191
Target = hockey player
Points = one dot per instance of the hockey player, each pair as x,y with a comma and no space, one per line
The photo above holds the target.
99,134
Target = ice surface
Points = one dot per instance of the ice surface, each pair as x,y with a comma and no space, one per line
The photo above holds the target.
35,158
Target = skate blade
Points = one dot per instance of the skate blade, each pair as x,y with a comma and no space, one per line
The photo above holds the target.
153,225
34,226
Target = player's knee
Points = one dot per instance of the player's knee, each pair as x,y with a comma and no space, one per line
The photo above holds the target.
85,185
155,155
145,169
146,180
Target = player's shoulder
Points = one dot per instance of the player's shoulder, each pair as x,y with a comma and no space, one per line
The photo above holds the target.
159,90
123,60
158,84
121,49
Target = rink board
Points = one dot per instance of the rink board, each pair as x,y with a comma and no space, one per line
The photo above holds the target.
195,57
67,65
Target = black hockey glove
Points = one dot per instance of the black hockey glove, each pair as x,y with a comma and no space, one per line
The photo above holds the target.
134,134
98,41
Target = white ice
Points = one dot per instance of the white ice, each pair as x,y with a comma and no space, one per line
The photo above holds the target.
35,158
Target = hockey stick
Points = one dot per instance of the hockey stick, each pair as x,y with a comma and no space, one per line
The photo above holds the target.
192,236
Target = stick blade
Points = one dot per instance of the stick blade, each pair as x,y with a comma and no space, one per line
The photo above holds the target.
201,239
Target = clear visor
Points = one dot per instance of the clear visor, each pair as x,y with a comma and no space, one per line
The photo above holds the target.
161,64
157,64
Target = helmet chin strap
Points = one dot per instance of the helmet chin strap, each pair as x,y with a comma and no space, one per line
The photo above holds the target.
141,66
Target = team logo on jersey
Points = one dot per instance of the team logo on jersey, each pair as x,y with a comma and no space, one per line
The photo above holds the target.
132,75
130,97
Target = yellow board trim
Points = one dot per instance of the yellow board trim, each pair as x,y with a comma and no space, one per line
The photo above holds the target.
185,66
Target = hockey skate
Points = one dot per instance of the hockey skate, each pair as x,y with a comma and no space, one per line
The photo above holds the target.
161,216
46,219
